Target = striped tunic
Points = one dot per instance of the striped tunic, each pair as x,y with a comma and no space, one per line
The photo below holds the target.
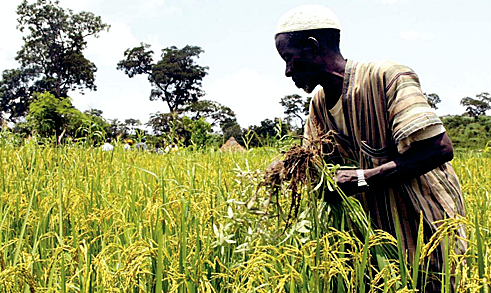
383,111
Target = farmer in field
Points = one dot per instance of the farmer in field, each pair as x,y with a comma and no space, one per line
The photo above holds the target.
107,146
142,145
382,121
128,145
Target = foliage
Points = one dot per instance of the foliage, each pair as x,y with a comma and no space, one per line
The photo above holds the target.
217,115
131,125
94,113
51,58
117,128
49,116
94,128
163,123
15,94
268,133
54,43
198,132
124,129
467,132
213,112
232,128
296,108
432,99
90,132
9,138
176,77
478,106
181,129
175,125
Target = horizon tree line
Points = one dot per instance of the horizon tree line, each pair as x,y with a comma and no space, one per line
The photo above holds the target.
52,60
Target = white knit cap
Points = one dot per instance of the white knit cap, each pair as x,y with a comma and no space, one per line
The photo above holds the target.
307,17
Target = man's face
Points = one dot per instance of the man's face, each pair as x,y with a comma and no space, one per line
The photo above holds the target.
299,61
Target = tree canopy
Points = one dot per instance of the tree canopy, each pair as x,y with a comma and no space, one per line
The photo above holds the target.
180,129
267,132
49,115
213,112
54,43
15,94
176,78
51,58
478,106
296,108
432,99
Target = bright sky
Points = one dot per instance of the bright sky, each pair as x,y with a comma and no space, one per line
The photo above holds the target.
447,43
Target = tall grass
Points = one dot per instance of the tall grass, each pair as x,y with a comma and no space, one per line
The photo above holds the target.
82,220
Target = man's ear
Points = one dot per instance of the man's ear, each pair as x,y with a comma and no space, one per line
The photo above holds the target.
313,45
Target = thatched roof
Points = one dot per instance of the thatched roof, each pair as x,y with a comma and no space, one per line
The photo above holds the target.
232,145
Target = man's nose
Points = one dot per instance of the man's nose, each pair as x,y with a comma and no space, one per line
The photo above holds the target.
288,71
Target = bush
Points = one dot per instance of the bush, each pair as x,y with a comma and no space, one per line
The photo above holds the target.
467,132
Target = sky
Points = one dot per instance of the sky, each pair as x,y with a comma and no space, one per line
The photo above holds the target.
446,42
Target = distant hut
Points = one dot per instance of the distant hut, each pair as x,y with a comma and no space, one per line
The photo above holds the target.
232,146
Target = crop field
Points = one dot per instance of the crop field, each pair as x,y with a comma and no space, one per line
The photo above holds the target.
76,219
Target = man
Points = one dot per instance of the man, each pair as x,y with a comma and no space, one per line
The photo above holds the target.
142,145
128,145
382,121
107,146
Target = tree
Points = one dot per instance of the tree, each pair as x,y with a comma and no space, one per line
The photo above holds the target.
53,46
15,94
161,122
49,116
197,132
214,113
296,107
176,78
432,99
217,115
268,132
232,128
478,106
131,125
94,128
175,128
116,128
94,112
170,126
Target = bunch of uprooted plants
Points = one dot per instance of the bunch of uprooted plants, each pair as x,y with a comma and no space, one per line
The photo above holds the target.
300,168
307,170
